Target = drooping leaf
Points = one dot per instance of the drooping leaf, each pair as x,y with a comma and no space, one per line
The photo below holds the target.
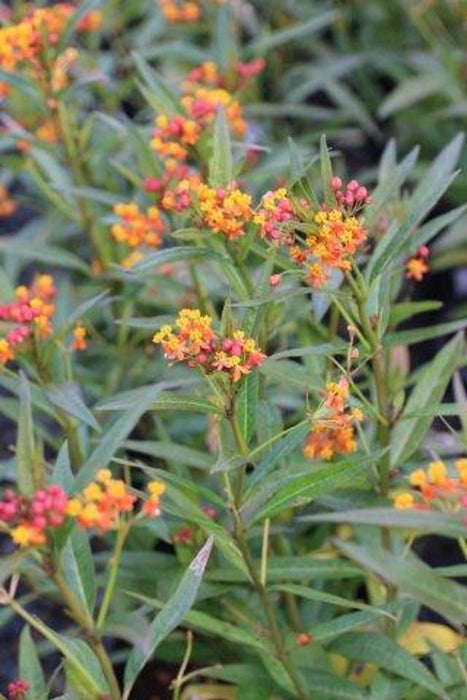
172,614
413,578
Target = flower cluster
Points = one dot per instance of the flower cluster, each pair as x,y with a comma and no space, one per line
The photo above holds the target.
17,690
30,312
8,205
24,42
275,212
29,519
224,210
353,197
332,429
417,267
183,11
137,229
435,488
79,337
208,75
180,11
333,236
103,502
194,341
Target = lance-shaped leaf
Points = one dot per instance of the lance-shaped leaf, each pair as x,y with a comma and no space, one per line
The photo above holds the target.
371,647
25,444
429,191
169,618
112,440
67,396
409,432
221,164
413,578
30,668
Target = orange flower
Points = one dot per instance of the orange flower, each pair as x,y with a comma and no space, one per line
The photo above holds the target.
434,488
332,430
8,205
193,341
137,228
180,11
151,507
102,503
203,104
79,342
224,210
416,269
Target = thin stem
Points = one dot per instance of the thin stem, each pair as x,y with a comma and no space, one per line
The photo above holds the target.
264,552
84,620
122,534
180,679
256,578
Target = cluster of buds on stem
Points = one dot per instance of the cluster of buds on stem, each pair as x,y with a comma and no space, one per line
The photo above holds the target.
30,315
352,196
332,429
194,342
28,520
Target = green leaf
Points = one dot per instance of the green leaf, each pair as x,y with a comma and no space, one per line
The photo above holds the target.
221,163
432,521
283,447
171,451
326,685
413,578
410,91
19,247
329,598
74,20
247,405
428,192
371,647
67,396
300,568
402,311
297,31
79,658
417,335
326,170
78,568
26,455
114,437
178,254
321,479
170,617
212,626
166,102
389,187
30,669
409,432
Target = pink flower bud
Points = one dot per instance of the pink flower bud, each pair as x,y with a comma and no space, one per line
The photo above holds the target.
336,183
275,280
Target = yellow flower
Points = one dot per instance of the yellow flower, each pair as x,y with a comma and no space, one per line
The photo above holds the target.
404,500
437,473
417,478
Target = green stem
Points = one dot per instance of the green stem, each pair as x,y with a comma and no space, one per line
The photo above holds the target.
256,577
74,162
84,620
122,534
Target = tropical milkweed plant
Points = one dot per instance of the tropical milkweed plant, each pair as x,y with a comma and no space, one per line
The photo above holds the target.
220,464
